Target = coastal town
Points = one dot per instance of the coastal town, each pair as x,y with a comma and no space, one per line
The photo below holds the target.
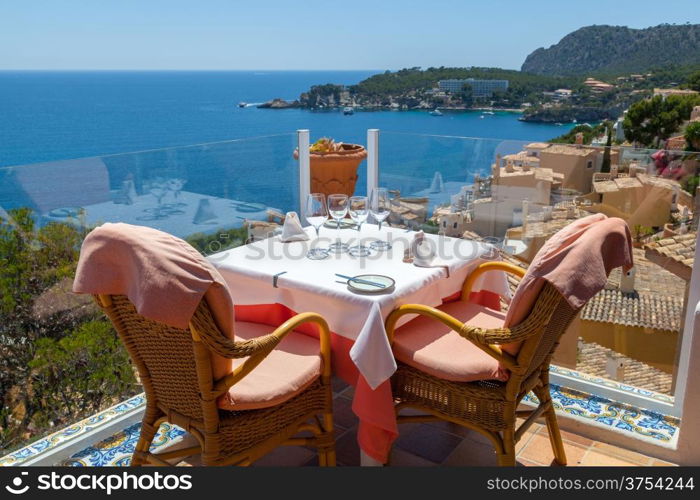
630,331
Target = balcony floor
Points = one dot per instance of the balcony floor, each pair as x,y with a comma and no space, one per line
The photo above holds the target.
438,443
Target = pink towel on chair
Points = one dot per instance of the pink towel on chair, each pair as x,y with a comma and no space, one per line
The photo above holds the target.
576,261
163,276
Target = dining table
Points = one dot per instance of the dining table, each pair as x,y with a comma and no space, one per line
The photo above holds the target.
271,280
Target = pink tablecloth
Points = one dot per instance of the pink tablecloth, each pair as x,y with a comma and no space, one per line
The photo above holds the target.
374,407
362,354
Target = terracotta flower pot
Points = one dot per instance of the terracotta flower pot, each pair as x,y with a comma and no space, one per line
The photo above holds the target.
336,172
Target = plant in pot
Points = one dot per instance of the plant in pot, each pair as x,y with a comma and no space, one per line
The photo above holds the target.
334,166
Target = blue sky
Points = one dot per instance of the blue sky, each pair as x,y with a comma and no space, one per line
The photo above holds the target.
302,34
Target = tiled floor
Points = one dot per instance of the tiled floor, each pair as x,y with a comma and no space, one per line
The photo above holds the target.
442,443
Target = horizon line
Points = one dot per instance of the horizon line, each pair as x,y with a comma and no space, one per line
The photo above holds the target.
240,70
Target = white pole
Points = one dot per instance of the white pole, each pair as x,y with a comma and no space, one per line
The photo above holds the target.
372,159
304,169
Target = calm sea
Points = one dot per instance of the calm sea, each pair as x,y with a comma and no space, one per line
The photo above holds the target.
53,116
47,116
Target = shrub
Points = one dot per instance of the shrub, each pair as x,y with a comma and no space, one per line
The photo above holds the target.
76,375
692,135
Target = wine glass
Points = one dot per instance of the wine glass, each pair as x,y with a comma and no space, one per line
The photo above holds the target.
338,209
359,211
158,190
316,214
380,208
175,185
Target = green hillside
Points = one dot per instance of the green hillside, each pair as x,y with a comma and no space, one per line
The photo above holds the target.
618,50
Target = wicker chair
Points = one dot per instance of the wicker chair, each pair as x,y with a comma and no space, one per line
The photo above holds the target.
489,407
176,372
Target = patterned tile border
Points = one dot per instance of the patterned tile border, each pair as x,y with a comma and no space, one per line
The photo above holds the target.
73,431
117,449
644,424
658,396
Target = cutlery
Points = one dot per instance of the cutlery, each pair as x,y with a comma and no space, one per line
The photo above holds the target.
358,280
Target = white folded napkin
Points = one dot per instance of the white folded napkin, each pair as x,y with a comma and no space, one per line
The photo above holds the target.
424,253
292,230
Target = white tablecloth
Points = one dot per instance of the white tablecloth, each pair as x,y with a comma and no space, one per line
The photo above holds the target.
311,285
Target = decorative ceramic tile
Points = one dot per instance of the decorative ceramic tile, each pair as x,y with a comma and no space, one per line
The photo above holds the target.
116,450
611,383
73,431
624,418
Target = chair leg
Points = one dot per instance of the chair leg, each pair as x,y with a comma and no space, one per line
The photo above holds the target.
148,432
326,453
507,458
550,415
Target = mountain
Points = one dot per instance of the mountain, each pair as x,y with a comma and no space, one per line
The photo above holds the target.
617,50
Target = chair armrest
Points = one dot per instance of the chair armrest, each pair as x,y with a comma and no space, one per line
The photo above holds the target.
470,333
257,349
489,266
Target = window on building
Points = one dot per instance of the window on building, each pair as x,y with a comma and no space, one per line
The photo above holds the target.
590,164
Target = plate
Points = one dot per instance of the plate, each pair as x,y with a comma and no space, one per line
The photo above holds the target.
65,212
365,288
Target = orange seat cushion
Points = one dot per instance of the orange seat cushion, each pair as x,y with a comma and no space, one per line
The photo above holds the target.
428,345
284,373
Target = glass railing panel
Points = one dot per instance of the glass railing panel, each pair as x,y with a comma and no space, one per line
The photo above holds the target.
517,194
60,359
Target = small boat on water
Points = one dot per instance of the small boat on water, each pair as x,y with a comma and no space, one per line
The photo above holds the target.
482,116
347,110
242,104
436,112
489,113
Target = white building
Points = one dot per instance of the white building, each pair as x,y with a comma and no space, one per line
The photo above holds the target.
480,88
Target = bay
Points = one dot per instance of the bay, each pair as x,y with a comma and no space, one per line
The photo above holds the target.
175,121
48,116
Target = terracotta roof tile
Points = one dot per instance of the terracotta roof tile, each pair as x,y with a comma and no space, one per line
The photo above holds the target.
676,254
635,309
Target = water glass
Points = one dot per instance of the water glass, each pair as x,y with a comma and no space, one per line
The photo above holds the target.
316,213
380,208
359,211
338,209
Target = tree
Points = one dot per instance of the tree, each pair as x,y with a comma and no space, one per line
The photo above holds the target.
652,120
466,95
53,371
588,132
692,136
693,81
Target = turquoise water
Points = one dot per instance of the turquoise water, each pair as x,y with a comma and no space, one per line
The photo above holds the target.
47,116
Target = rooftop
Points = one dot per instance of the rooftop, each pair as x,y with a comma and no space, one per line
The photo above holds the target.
592,359
566,149
675,254
646,310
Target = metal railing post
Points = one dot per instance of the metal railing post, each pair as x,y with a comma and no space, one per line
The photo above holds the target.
372,159
304,169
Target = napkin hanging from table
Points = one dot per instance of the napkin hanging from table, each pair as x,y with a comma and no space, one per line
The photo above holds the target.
292,230
424,253
205,213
